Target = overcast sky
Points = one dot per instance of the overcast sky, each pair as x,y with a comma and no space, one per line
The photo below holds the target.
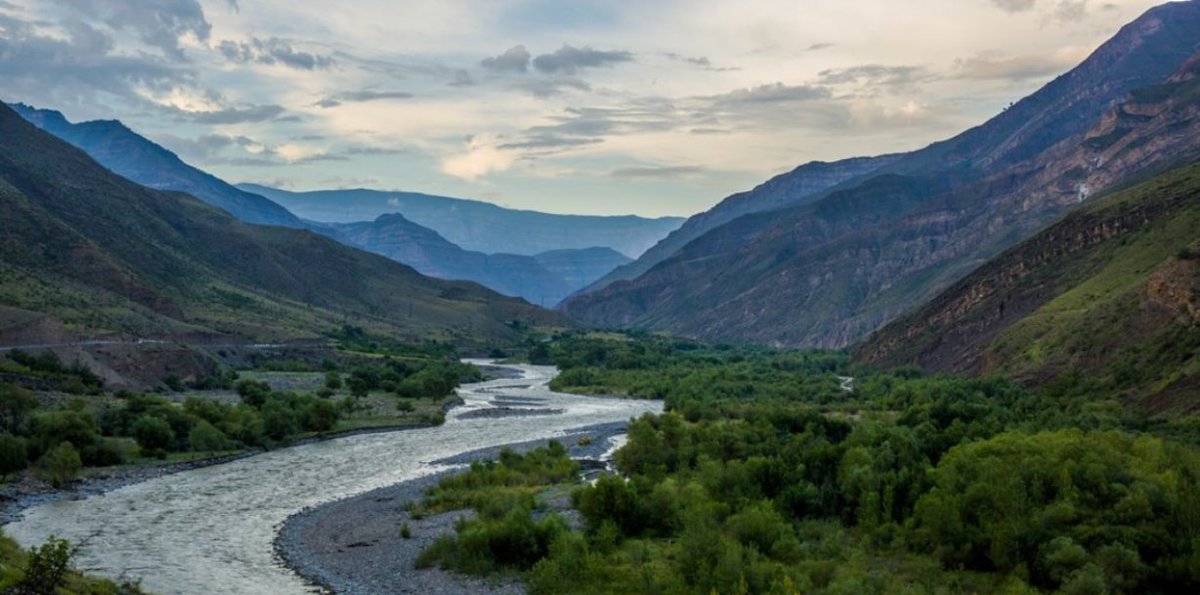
608,107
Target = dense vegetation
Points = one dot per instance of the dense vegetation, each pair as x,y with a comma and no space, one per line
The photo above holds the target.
766,475
46,570
58,438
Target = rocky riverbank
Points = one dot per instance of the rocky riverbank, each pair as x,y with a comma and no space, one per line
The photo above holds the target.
354,546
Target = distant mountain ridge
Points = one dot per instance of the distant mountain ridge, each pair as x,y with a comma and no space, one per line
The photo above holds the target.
109,257
476,225
543,279
831,270
133,156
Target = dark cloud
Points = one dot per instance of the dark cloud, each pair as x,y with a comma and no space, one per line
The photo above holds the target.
875,75
676,171
232,115
272,51
569,59
816,47
361,96
462,78
1014,5
374,151
72,69
157,23
514,59
547,140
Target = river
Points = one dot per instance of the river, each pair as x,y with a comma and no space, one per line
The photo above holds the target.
210,530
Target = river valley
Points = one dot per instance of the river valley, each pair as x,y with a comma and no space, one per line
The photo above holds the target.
210,530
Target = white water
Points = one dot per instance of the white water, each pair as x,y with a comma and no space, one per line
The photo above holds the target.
211,530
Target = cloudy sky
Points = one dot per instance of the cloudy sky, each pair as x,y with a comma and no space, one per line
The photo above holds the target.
654,107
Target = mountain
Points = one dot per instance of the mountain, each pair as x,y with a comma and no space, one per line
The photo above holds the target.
476,225
133,156
544,279
1108,296
580,268
803,184
836,267
108,257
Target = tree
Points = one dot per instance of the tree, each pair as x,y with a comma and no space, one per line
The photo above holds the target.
16,404
153,433
47,566
320,416
14,453
333,380
206,437
253,393
60,464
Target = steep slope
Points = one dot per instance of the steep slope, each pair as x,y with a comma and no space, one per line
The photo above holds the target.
1109,296
803,184
476,225
830,271
109,257
135,157
423,249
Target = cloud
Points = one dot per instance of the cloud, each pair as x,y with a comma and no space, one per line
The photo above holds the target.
72,67
361,96
569,59
231,115
272,51
701,61
773,93
157,23
674,171
816,47
550,141
482,157
514,59
1014,5
462,78
875,75
1017,68
541,87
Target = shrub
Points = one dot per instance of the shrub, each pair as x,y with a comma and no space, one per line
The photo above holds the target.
14,453
153,433
60,464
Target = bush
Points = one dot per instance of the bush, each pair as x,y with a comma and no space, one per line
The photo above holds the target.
253,393
46,568
60,464
153,433
206,437
333,380
14,454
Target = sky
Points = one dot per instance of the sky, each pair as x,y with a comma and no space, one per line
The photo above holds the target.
650,107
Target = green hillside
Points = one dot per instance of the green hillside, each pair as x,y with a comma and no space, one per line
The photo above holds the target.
1107,301
109,257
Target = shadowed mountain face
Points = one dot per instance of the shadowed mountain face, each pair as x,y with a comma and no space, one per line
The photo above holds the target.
1109,296
108,256
133,156
475,225
845,261
544,279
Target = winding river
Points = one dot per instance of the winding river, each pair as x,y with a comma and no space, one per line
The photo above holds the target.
210,530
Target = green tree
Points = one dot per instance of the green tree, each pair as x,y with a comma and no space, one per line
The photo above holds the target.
206,437
333,380
16,404
46,568
253,393
14,454
153,433
60,464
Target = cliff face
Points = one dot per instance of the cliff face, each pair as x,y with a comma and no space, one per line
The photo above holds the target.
829,272
1111,292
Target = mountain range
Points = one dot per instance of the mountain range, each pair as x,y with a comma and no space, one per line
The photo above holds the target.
476,225
543,279
835,264
108,257
139,159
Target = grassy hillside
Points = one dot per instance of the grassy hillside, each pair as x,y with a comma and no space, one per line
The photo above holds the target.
107,256
1106,300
